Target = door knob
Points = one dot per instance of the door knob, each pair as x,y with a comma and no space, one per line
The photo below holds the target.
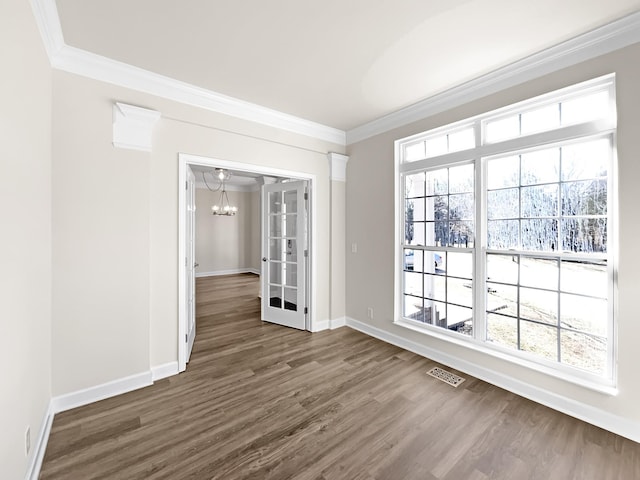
196,265
264,259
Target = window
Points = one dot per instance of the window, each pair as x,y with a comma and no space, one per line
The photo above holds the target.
506,231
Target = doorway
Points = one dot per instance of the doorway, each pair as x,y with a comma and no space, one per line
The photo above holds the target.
287,239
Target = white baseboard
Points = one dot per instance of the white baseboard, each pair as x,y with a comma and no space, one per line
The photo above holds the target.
100,392
40,446
232,271
89,395
332,324
163,371
595,416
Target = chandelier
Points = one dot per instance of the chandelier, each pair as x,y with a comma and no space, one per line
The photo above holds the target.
222,207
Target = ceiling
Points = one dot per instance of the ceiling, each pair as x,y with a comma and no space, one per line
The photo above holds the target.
340,63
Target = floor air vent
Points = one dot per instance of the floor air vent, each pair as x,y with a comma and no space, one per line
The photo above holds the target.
446,377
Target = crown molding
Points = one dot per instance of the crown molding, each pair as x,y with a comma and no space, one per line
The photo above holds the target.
86,64
606,39
613,36
46,15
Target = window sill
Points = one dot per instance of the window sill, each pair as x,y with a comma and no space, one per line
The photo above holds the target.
607,388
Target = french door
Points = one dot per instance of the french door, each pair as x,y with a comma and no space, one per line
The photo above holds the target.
284,250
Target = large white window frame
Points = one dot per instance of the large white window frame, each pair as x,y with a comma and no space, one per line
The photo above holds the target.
407,162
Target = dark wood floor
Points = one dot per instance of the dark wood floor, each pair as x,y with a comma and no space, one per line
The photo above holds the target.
259,401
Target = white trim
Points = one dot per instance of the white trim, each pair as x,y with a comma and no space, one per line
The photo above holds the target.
100,392
331,324
46,15
40,447
601,418
606,39
338,166
133,127
232,271
163,371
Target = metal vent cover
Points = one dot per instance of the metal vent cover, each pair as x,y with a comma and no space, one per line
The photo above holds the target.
447,377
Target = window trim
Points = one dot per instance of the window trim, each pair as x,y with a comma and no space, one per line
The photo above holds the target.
478,156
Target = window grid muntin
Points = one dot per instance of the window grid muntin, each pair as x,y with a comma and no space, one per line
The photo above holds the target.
565,135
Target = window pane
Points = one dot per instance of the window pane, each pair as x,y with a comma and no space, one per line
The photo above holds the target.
502,330
434,287
416,210
416,261
461,234
413,308
414,185
539,272
413,283
582,161
290,299
437,207
540,235
434,262
275,273
583,351
540,119
586,314
459,265
503,129
539,201
502,299
275,222
275,296
460,291
584,198
539,305
462,140
461,179
542,166
503,172
435,313
460,319
414,152
539,339
437,234
502,234
436,145
437,182
503,268
586,235
414,233
275,249
503,204
290,225
461,207
585,108
584,278
409,260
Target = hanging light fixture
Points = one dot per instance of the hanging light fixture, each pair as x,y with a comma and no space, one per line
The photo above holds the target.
222,207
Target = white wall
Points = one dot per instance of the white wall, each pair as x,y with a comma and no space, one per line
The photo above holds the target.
370,223
25,242
225,244
116,225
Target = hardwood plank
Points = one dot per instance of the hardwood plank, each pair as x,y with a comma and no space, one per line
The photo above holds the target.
259,401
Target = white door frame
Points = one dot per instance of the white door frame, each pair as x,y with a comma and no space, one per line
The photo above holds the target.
185,159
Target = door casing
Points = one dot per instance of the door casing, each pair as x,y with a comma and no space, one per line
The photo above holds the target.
185,159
